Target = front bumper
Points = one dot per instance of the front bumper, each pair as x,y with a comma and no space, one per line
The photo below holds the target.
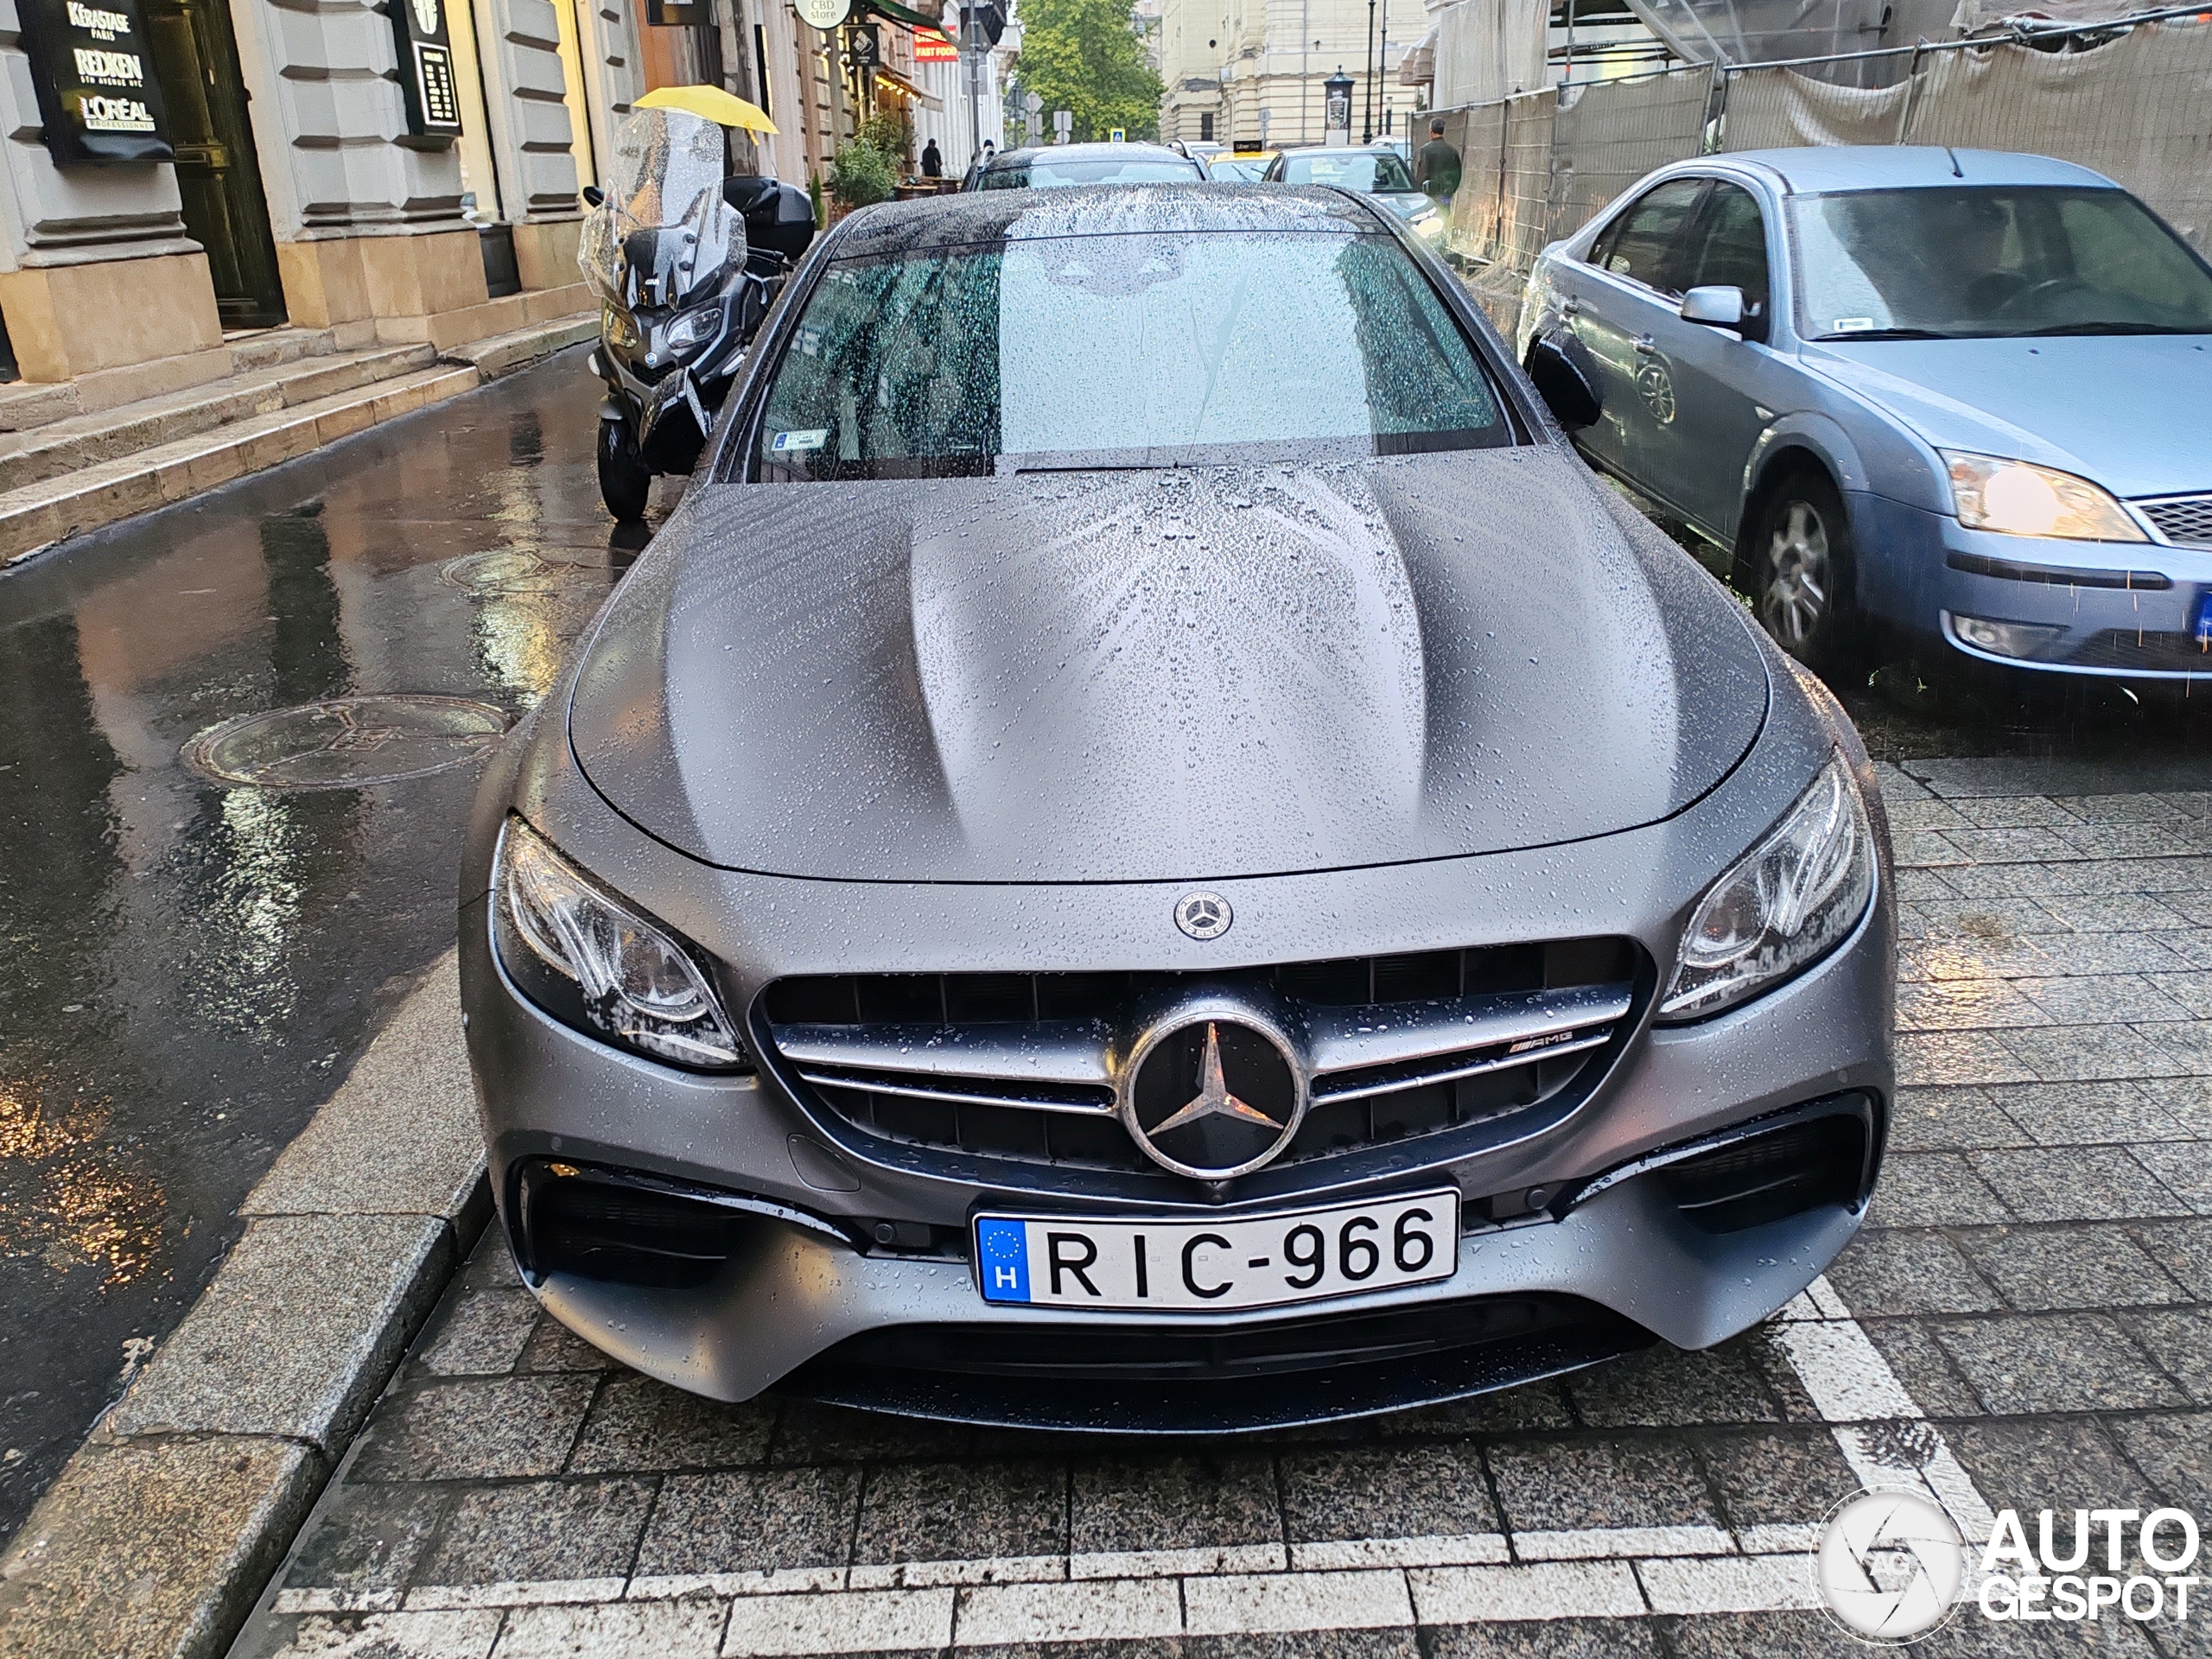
801,1289
2131,610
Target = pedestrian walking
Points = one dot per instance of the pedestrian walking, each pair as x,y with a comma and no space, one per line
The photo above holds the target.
932,162
1436,169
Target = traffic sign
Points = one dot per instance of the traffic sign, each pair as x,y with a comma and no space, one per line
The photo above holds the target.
1118,136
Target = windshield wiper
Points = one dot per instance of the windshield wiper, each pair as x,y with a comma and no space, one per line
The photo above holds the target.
2109,329
1887,334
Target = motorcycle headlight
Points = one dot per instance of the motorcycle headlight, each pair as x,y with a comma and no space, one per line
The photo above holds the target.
1784,906
2020,499
618,328
591,962
692,329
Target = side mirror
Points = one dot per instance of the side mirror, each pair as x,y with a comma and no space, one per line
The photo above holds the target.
594,196
1563,387
1716,308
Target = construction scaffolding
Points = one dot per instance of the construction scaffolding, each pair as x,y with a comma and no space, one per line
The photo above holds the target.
2130,97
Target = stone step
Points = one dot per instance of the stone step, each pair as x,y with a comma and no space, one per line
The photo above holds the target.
67,445
35,516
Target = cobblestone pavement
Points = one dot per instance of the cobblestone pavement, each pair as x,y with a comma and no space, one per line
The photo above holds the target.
2024,1323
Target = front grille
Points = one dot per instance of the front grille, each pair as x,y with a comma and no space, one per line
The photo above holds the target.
1020,1066
2144,651
2185,518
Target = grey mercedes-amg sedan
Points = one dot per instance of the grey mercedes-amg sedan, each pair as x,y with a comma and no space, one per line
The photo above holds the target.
1149,850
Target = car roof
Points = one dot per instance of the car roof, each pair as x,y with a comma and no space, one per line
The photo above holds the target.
1097,210
1818,169
1091,152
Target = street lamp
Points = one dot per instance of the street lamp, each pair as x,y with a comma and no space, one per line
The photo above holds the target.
1336,105
1367,120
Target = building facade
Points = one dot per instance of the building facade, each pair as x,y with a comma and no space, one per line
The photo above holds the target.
1226,63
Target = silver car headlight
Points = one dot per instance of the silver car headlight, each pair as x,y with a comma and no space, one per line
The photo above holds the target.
2021,498
1788,902
593,963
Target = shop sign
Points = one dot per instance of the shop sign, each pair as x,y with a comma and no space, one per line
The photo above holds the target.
931,47
426,75
96,95
824,14
679,14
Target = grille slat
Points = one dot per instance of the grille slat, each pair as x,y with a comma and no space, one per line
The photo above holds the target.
1401,1045
2184,518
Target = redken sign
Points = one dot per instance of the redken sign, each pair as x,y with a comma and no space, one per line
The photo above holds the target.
96,95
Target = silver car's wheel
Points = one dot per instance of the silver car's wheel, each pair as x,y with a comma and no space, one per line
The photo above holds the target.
1794,599
1802,575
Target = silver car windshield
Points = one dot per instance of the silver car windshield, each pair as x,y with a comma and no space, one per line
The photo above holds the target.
1124,351
1367,170
1985,261
1043,175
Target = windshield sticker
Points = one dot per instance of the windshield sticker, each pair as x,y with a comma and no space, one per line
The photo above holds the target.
1853,325
812,438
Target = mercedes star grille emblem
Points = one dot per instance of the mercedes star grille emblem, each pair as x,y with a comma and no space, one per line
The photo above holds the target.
1214,1089
1204,915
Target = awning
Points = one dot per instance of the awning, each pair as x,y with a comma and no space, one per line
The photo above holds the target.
899,13
898,82
1418,67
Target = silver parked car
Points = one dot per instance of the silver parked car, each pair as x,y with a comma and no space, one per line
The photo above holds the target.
1218,882
1947,393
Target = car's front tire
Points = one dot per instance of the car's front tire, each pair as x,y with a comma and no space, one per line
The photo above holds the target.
1802,572
624,478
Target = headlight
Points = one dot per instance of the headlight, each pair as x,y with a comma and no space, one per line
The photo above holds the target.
2020,499
1789,901
618,328
2021,640
587,960
693,328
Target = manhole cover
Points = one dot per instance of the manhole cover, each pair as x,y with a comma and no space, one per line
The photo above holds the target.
346,743
510,571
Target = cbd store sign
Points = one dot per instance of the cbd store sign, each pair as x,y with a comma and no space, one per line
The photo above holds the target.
96,95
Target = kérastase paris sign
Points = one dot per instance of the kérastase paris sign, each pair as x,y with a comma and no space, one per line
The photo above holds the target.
96,95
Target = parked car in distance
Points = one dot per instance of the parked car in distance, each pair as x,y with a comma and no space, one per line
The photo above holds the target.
1247,168
1951,395
1148,851
1045,166
1367,169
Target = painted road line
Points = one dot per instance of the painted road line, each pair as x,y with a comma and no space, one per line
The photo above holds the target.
1486,1595
1459,1549
1296,1601
1101,1610
1741,1584
1181,1563
852,1622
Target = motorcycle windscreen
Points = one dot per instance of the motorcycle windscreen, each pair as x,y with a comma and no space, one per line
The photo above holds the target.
664,172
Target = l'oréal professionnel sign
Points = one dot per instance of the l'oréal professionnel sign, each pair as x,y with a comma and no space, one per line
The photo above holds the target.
97,97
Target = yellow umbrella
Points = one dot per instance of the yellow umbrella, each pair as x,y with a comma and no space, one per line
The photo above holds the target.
711,103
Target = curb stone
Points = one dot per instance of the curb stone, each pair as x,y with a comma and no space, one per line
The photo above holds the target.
155,1539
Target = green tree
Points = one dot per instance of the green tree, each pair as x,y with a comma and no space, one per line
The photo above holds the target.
1082,56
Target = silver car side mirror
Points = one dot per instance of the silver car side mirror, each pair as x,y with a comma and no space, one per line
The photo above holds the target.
1716,307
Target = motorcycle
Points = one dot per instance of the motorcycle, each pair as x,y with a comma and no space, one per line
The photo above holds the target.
686,265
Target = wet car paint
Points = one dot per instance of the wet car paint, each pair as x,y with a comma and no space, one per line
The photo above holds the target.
190,968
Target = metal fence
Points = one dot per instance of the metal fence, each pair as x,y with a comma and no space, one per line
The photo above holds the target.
2130,99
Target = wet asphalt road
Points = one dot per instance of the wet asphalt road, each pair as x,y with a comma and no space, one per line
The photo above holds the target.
186,969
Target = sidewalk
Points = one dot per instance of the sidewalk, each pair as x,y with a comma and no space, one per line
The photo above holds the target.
65,473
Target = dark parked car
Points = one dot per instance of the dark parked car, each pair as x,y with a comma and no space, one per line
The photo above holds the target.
1148,850
1051,165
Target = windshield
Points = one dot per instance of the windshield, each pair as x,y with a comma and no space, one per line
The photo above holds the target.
665,173
1363,169
1137,169
1985,261
1122,350
1236,169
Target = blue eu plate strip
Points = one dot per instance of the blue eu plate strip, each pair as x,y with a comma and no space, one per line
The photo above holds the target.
1002,1253
2204,623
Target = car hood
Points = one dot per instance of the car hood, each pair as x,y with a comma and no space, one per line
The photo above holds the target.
1160,675
1404,203
2134,412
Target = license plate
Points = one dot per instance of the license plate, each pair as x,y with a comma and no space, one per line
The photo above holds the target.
1182,1266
